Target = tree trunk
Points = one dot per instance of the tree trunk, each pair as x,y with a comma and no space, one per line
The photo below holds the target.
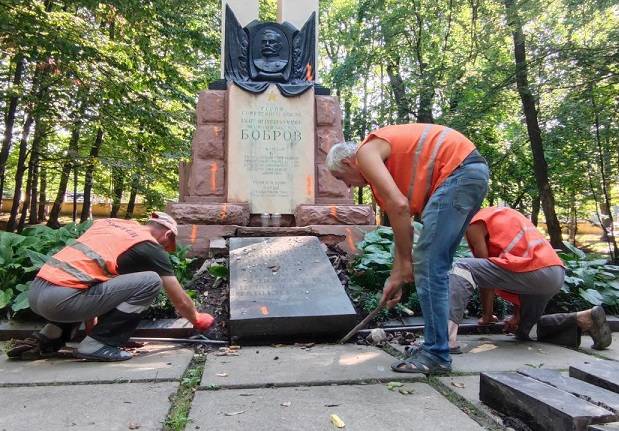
535,210
117,193
605,186
398,89
35,161
540,165
74,212
134,192
67,165
42,194
19,172
88,174
9,121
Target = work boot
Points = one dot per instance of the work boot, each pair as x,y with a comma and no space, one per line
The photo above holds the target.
37,346
600,330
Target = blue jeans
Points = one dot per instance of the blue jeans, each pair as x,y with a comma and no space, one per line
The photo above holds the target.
445,219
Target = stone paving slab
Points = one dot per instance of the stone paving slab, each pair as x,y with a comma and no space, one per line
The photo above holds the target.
361,407
505,353
109,407
152,362
539,405
602,373
294,366
612,352
468,388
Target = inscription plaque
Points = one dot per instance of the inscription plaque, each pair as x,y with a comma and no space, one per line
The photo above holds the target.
270,150
285,286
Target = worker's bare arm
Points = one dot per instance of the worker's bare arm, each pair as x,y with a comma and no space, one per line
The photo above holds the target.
476,236
370,160
179,298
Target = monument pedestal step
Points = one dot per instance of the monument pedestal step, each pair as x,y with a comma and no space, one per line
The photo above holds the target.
202,238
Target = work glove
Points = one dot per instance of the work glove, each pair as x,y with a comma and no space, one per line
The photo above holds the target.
203,322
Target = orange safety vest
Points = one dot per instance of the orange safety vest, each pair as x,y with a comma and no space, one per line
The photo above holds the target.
422,157
91,259
513,242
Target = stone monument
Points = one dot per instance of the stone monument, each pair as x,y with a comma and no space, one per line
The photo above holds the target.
263,132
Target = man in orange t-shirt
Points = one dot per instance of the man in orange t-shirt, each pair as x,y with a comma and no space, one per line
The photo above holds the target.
432,172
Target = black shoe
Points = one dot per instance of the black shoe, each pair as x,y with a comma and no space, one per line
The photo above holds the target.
37,346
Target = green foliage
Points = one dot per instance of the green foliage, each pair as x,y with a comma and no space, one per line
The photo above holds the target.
370,270
219,271
589,281
182,263
21,257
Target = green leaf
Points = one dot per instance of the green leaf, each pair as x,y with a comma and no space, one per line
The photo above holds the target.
579,253
5,297
218,271
37,259
21,302
592,296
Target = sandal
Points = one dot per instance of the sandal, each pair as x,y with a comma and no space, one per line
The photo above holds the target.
600,331
37,346
105,354
421,363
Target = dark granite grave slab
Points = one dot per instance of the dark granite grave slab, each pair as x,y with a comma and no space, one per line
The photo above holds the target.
604,374
588,392
540,406
284,287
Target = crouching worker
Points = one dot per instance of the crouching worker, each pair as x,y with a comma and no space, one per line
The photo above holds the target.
513,259
113,272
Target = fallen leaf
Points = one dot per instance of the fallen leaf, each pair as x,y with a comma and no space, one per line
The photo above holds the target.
484,348
133,426
235,413
222,374
337,421
286,404
457,385
393,385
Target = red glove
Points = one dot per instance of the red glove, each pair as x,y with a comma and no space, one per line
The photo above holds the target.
203,321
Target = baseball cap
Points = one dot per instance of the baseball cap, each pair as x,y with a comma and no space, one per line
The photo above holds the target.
167,221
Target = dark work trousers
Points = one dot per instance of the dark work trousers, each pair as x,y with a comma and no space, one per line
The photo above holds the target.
118,303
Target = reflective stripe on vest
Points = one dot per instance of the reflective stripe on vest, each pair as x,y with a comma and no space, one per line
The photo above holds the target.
71,270
432,161
517,239
420,145
93,255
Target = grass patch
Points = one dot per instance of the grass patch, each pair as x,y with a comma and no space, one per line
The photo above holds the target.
178,416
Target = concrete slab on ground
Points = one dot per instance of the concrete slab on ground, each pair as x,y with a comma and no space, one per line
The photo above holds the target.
468,388
361,407
505,353
110,407
612,352
294,366
152,362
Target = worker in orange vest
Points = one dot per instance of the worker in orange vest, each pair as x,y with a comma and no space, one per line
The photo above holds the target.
514,260
432,172
113,272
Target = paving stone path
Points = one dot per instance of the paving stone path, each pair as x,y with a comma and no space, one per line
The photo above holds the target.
269,388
